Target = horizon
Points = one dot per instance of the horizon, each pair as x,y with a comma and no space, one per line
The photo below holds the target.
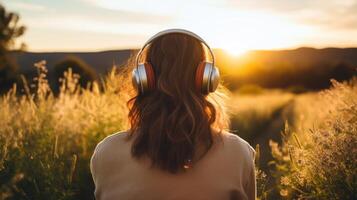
214,49
236,26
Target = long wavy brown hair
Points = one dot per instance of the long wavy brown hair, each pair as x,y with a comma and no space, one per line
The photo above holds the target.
174,124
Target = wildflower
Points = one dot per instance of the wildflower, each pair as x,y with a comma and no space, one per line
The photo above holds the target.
284,192
284,180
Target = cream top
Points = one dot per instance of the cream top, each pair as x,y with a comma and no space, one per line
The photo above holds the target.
226,172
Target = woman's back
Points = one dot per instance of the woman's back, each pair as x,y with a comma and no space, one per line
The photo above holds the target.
176,146
225,172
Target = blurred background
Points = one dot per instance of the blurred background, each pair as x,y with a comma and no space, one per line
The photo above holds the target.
290,67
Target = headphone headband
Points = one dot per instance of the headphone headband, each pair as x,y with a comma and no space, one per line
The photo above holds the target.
168,31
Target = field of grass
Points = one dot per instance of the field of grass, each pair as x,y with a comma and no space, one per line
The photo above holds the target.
46,141
260,117
318,158
307,142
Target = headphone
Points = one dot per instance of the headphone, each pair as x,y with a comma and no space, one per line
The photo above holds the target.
206,78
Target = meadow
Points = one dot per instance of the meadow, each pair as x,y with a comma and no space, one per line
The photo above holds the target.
306,143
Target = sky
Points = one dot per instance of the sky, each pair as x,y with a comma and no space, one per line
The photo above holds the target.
234,25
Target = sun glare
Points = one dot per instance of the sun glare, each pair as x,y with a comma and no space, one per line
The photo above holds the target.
235,50
244,31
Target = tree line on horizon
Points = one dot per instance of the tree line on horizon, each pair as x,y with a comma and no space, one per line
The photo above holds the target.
10,30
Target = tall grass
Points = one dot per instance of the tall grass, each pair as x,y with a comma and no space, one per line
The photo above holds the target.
252,114
318,159
258,117
46,141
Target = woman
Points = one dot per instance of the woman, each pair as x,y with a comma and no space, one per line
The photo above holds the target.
177,146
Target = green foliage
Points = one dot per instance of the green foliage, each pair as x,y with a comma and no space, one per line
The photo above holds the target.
8,73
9,31
46,141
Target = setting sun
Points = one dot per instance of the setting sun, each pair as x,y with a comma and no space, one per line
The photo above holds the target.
248,31
234,50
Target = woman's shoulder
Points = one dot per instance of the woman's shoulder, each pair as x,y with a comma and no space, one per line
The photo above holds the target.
111,145
238,144
111,141
107,152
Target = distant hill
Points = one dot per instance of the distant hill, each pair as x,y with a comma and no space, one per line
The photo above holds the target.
300,56
306,67
100,61
309,55
104,60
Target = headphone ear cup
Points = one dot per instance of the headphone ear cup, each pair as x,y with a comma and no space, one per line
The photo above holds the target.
214,79
135,80
143,78
207,77
150,75
199,76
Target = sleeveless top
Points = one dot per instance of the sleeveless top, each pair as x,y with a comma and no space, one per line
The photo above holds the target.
226,172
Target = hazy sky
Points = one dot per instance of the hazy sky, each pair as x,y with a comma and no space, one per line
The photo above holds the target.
235,25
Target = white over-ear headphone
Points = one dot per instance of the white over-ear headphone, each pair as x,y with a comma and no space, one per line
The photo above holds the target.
207,75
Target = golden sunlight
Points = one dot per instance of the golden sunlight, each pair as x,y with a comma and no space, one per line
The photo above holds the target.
234,50
249,31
